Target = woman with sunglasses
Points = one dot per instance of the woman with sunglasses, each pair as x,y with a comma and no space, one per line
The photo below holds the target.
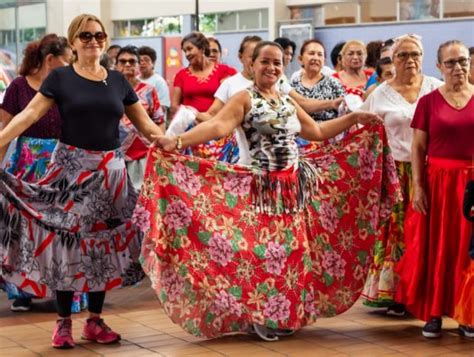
133,145
395,101
436,234
34,146
72,230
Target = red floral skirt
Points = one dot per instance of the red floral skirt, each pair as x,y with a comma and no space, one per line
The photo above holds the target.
437,244
227,246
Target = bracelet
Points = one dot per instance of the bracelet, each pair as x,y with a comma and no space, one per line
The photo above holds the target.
179,143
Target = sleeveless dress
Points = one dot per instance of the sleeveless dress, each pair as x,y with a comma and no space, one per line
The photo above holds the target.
278,240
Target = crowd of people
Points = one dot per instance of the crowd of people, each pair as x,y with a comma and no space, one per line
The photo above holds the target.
280,202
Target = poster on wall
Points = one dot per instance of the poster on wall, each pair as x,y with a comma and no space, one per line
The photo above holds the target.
172,60
297,33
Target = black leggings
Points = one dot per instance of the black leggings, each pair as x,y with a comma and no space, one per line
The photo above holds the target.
64,302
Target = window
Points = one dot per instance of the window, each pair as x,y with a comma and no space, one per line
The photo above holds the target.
241,20
458,8
249,20
341,13
227,21
167,25
378,11
419,10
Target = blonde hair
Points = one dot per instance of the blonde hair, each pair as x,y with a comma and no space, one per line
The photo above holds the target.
351,43
78,24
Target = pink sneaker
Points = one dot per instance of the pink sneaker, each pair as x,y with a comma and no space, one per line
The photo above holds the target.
96,330
62,335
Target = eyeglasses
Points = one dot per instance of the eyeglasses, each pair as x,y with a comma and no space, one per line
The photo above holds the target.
385,60
405,55
463,62
87,36
124,62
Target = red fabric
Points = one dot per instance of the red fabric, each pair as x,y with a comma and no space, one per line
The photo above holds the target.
450,130
354,90
464,313
436,244
199,92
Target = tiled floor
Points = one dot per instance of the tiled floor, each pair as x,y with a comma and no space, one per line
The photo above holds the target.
146,330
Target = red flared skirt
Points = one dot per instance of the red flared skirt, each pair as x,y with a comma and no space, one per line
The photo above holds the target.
437,243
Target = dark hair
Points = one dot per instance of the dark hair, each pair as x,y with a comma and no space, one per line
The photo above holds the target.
36,52
285,42
382,62
373,53
216,41
198,40
336,50
447,44
308,42
147,51
113,47
471,51
106,61
133,50
246,40
261,44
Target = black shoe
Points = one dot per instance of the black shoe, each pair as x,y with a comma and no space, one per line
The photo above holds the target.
432,328
396,310
21,305
466,331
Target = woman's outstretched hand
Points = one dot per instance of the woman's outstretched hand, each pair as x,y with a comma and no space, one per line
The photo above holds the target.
365,118
164,142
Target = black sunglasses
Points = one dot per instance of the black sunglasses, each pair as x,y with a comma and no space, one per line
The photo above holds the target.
87,36
124,61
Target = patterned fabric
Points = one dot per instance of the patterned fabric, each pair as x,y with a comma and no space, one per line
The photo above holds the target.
328,88
354,90
31,158
224,149
71,230
218,265
381,284
270,131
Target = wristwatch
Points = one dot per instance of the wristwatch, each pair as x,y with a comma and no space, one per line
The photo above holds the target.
179,143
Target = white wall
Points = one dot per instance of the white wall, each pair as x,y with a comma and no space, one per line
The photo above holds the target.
61,12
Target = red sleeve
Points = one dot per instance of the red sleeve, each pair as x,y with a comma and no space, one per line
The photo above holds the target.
422,114
179,78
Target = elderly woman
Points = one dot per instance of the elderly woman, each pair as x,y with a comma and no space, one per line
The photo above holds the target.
436,233
215,50
353,77
259,243
395,101
133,146
312,83
73,228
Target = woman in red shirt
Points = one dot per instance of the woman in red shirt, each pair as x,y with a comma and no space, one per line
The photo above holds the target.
436,234
195,86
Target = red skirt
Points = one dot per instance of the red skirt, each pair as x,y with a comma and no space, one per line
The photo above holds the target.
437,244
464,312
227,246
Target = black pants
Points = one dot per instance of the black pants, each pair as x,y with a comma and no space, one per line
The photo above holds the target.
64,302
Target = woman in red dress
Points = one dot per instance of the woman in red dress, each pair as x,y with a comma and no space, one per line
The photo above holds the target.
195,86
436,234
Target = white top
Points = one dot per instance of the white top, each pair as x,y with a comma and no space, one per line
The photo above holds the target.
161,86
238,82
398,114
328,72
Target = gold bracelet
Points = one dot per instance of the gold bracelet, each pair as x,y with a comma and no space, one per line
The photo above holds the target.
179,143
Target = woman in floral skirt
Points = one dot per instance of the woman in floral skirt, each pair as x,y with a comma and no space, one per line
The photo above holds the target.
273,242
71,231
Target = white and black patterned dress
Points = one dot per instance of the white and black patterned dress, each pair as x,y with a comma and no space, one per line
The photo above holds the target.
327,88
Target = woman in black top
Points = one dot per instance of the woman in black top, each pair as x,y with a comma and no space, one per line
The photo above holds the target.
72,230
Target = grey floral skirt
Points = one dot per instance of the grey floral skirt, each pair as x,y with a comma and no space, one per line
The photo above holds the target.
71,230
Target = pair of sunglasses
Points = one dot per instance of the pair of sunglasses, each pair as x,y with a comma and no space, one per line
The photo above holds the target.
124,61
87,36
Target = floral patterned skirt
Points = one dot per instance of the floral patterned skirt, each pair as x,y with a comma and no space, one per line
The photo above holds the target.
381,284
72,229
218,262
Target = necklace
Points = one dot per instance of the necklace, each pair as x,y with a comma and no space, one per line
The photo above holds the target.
274,103
100,77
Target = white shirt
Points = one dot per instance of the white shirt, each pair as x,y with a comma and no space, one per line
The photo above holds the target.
161,86
397,114
238,82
